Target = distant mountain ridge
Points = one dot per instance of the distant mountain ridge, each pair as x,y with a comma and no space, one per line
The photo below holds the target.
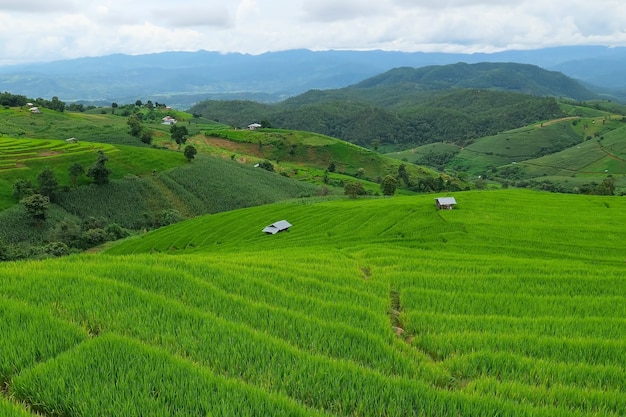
183,78
519,78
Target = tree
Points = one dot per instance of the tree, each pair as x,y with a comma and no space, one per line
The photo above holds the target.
607,186
36,206
75,170
98,171
190,152
138,103
402,173
353,189
22,188
135,125
146,137
113,107
388,185
48,183
179,134
56,104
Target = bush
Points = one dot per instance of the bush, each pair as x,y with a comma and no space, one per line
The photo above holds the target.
56,249
353,189
115,231
94,237
267,165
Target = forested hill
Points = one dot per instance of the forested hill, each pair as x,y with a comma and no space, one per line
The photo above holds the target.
454,103
521,78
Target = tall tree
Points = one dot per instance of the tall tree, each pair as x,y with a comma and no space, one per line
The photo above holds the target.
36,206
190,152
146,136
98,171
179,134
134,124
48,183
388,185
402,173
607,186
75,171
22,188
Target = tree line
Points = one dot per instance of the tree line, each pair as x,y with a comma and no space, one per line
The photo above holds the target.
15,100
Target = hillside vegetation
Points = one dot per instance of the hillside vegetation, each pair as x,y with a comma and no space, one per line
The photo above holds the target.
575,153
414,106
511,305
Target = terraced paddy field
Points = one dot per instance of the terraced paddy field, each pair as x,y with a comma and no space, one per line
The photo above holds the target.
23,158
512,304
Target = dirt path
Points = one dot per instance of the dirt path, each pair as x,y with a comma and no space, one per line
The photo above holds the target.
562,119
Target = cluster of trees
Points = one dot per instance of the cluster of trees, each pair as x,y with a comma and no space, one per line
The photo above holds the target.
66,237
390,183
388,186
135,122
37,198
605,187
17,100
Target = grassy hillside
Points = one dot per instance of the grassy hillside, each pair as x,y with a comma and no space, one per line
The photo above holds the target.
310,157
22,158
579,149
511,305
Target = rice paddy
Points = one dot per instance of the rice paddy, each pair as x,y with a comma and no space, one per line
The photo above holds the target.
512,304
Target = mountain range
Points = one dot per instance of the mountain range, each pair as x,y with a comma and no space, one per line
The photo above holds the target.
184,78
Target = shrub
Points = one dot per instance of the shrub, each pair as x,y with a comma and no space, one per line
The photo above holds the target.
56,249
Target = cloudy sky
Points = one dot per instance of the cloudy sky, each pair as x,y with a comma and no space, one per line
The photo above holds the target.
45,30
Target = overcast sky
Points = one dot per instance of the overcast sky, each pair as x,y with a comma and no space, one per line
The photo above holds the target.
45,30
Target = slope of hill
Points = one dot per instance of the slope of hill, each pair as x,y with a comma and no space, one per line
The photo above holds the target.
567,154
367,307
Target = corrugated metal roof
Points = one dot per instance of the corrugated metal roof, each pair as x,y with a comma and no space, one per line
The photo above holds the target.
279,226
446,201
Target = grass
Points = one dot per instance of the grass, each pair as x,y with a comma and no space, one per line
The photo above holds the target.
511,304
309,154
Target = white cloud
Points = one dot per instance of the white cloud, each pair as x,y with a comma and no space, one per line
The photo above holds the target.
179,15
330,11
38,6
37,30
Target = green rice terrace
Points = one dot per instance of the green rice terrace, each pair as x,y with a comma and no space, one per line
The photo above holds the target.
511,304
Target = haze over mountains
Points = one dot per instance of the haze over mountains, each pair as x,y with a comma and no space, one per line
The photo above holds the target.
184,78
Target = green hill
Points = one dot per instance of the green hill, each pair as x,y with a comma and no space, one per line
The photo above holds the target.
567,154
511,304
520,78
153,186
414,106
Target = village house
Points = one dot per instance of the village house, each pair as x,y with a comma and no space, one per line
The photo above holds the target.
168,120
445,203
279,226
